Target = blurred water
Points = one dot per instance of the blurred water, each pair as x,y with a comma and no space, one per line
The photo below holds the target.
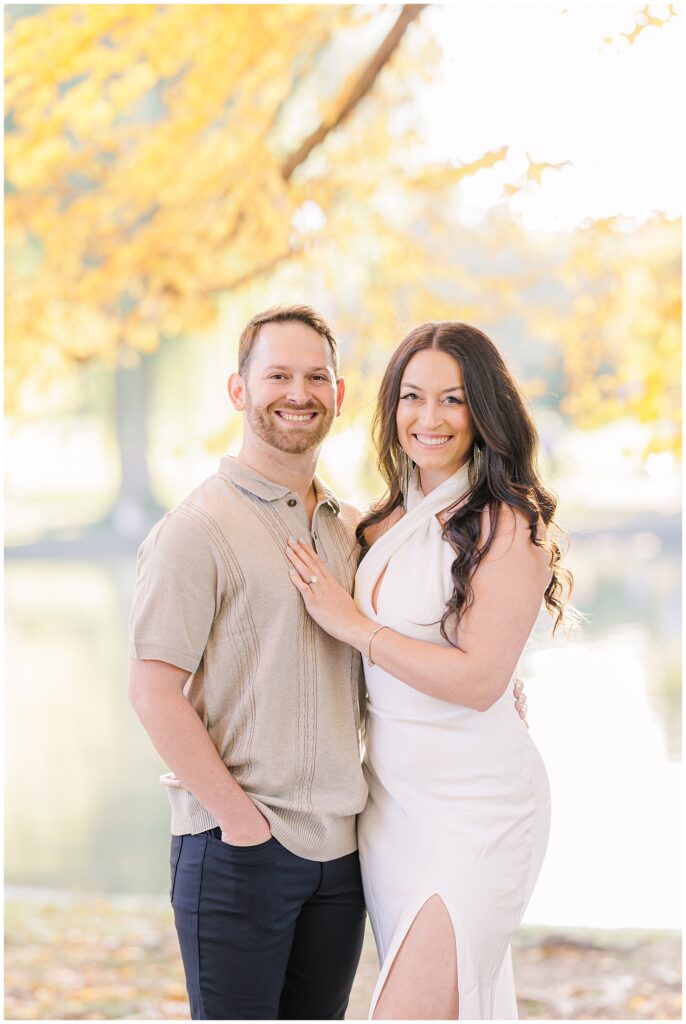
613,859
84,809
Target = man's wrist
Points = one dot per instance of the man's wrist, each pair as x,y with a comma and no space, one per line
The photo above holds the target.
243,827
247,838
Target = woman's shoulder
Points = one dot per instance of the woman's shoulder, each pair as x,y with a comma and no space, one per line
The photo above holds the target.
513,524
513,537
372,533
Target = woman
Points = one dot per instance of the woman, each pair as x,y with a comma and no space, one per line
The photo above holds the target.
456,561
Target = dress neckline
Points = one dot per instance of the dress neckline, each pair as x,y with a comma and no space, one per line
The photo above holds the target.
420,509
445,494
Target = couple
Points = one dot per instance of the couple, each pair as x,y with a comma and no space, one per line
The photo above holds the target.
245,650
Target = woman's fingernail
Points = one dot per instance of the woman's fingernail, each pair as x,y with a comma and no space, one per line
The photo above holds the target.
292,540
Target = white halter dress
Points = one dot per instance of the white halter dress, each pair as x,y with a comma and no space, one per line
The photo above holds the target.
459,804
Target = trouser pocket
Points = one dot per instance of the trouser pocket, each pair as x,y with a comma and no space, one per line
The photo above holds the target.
235,910
175,853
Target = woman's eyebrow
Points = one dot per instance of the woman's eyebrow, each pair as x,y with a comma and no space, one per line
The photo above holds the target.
458,387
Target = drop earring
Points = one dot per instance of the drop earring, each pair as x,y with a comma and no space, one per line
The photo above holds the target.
405,471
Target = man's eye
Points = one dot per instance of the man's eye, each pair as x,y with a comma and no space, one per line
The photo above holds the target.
319,376
277,376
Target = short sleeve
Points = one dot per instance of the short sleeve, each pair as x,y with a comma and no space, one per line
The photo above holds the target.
178,592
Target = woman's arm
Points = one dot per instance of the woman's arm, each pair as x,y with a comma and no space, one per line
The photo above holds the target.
508,589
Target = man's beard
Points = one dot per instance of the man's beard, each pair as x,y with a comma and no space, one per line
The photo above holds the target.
288,439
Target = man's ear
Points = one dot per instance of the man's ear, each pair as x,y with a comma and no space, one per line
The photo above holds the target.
236,389
340,393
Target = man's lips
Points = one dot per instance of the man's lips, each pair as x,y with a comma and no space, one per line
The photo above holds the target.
300,418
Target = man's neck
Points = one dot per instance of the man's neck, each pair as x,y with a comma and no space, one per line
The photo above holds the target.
293,471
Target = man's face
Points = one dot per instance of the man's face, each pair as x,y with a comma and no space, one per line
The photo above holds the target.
289,392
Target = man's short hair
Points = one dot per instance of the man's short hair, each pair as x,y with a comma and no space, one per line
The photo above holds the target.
282,315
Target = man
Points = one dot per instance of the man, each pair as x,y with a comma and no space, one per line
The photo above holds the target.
229,672
255,709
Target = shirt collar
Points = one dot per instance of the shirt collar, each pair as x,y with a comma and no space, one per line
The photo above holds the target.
256,484
325,495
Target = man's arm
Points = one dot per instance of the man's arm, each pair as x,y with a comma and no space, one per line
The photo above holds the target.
183,743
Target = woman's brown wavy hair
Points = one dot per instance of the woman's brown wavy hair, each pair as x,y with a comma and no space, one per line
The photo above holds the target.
503,468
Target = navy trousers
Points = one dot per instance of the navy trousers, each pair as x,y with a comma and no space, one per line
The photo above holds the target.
264,934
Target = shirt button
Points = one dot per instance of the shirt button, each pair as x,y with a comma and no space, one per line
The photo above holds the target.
291,502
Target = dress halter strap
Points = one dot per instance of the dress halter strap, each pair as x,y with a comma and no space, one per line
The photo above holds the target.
420,508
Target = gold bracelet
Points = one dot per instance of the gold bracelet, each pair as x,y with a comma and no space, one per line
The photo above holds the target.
370,663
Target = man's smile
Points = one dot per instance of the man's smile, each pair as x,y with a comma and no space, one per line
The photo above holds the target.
296,417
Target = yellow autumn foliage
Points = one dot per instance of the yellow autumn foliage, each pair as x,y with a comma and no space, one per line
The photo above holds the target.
161,156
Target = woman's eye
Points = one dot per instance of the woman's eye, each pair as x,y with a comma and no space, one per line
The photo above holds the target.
452,400
410,394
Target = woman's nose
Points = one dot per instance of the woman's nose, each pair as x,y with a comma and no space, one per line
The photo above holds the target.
430,416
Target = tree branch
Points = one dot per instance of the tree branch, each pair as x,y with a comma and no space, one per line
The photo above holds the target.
359,90
254,272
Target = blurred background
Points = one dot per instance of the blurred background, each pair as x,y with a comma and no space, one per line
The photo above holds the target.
173,169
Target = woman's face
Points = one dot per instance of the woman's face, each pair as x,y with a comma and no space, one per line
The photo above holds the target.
433,421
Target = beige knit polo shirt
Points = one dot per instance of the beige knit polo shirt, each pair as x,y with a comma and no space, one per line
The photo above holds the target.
280,698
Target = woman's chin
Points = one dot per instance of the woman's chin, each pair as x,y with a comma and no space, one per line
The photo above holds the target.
432,464
443,464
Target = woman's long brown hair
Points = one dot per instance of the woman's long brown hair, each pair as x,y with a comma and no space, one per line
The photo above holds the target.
503,470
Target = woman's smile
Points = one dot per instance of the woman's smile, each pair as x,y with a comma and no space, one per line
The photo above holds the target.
432,440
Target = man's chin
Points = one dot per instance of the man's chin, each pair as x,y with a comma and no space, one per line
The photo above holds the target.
291,440
294,442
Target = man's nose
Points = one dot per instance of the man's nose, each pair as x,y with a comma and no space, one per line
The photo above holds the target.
297,391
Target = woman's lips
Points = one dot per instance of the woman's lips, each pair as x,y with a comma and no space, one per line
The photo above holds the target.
432,440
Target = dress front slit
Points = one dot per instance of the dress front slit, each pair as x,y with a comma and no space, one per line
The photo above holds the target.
407,921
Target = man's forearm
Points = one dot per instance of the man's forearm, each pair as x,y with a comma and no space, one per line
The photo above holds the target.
184,744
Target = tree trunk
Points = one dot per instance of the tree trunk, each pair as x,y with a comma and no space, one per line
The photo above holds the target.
135,509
